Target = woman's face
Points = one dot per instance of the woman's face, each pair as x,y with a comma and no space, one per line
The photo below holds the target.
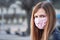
40,18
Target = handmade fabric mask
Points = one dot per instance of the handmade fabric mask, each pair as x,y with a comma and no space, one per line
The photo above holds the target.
40,22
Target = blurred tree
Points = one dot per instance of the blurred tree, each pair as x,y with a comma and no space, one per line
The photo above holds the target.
56,3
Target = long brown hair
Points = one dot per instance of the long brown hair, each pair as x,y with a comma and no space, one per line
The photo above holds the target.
37,34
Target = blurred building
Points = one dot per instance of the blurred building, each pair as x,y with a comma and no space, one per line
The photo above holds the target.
13,18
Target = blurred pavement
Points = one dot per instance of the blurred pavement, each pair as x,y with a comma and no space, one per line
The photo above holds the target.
4,36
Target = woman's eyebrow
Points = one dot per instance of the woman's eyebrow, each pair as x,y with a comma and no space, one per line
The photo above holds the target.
42,15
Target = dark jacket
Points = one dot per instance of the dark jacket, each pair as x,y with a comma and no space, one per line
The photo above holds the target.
55,34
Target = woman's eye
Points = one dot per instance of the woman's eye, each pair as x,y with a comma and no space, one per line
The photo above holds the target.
42,16
36,16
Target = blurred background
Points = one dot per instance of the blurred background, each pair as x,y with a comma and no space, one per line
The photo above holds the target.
15,18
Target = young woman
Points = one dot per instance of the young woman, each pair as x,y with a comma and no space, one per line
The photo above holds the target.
42,21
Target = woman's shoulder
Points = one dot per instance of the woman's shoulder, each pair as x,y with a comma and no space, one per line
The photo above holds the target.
55,34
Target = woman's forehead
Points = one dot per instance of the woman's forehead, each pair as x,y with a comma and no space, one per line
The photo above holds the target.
40,11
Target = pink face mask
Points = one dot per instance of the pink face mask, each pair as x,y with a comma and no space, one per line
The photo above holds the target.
40,22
